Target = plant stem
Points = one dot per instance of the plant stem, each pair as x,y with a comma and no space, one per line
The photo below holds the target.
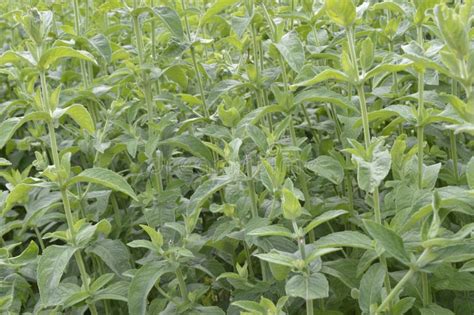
65,199
40,238
454,155
366,130
420,128
77,29
425,287
301,247
452,139
182,284
205,109
251,187
395,291
299,172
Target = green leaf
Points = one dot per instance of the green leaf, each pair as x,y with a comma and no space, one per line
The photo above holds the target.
17,57
10,125
453,30
324,95
470,173
384,68
205,190
345,239
403,306
250,306
434,309
389,5
51,266
454,253
371,287
291,205
141,285
240,24
79,114
190,144
327,74
53,54
171,19
342,12
314,286
327,167
113,253
291,48
19,193
371,172
104,177
101,45
278,257
271,230
220,89
367,53
155,236
4,162
326,216
217,7
388,239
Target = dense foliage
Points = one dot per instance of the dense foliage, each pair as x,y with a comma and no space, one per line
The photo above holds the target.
236,157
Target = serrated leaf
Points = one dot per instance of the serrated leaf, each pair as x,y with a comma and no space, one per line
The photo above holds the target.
271,230
326,216
113,253
79,114
104,177
389,240
190,144
328,74
51,266
10,125
277,257
216,8
171,19
141,285
205,190
291,48
371,287
101,44
314,286
53,54
327,167
345,239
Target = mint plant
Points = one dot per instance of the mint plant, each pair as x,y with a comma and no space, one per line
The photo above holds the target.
236,157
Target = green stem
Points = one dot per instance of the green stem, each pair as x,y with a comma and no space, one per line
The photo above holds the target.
40,238
420,262
377,212
454,154
251,187
395,291
65,199
364,115
425,285
301,247
420,128
366,130
300,173
182,284
452,139
249,261
205,109
78,30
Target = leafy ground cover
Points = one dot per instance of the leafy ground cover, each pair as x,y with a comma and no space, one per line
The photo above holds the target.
236,157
